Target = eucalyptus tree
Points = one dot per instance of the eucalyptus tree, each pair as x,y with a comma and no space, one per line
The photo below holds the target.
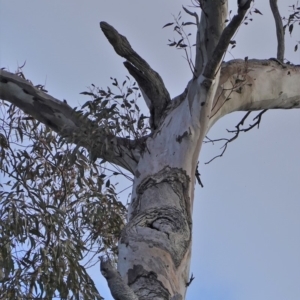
154,242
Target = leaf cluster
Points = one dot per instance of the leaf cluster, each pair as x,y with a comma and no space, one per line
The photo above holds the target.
116,109
182,42
59,211
292,20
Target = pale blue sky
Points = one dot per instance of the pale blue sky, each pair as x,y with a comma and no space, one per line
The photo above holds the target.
246,236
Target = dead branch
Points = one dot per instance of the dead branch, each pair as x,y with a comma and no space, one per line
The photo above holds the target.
236,132
150,82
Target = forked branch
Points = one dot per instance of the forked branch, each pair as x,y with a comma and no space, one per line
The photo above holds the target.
151,84
209,30
70,124
219,51
236,132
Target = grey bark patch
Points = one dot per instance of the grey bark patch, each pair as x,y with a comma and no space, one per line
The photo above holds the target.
161,215
136,272
169,181
177,297
179,138
207,83
137,173
146,285
166,228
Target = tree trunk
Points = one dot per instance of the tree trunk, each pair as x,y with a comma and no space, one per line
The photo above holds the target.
155,246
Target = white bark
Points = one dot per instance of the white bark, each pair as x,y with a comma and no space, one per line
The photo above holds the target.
256,85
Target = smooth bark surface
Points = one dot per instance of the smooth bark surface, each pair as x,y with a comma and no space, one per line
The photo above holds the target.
256,85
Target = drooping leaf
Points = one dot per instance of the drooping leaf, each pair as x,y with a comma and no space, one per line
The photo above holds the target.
256,11
168,24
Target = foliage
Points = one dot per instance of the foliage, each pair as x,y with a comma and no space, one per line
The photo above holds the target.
292,19
182,42
59,210
117,111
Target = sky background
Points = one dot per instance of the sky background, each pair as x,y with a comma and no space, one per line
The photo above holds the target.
246,234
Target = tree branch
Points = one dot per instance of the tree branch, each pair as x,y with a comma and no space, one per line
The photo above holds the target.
118,288
209,30
150,82
220,49
279,30
194,14
251,85
64,120
236,132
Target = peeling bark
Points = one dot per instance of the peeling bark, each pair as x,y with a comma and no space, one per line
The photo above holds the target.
155,245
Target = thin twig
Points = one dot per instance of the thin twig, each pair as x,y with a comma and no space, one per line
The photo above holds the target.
237,132
194,14
190,280
226,36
